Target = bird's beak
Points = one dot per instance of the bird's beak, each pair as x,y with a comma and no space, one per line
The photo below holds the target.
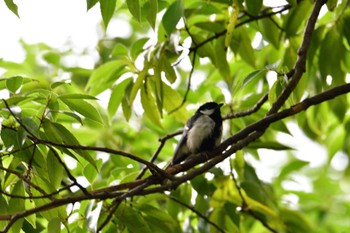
220,105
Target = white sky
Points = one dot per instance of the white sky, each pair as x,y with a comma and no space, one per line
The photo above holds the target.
57,23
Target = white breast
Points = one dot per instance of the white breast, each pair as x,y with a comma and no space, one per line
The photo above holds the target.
203,127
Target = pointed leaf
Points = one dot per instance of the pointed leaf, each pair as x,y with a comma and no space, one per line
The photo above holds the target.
152,14
117,95
134,8
90,3
172,16
107,9
149,105
12,7
84,108
104,76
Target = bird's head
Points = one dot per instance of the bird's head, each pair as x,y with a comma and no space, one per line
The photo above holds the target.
210,108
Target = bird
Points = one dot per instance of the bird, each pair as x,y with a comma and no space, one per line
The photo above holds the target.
202,132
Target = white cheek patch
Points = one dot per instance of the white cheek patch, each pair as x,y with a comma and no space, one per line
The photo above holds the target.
207,111
203,127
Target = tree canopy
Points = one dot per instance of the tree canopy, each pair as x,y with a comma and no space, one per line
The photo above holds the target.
85,149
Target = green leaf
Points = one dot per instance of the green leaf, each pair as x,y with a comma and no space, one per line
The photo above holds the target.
296,17
77,96
17,205
84,108
172,100
137,48
138,83
270,31
90,4
168,69
296,222
14,83
12,7
126,109
132,219
118,92
157,219
221,60
242,44
331,55
149,105
54,225
275,91
90,173
152,14
54,169
107,9
58,133
346,28
331,4
291,167
31,126
172,16
104,76
53,58
253,6
231,25
134,8
254,76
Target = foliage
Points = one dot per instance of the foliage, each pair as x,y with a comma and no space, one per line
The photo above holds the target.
71,162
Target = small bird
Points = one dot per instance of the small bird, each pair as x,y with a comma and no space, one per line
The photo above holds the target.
203,132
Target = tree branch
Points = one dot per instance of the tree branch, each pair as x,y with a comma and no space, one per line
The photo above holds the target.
300,64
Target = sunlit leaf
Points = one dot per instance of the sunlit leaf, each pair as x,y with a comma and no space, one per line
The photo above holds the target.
83,107
54,225
104,76
231,25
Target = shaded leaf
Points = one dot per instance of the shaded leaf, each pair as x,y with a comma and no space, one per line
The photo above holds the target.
14,83
172,16
54,169
253,6
149,105
12,7
134,8
107,9
90,3
152,14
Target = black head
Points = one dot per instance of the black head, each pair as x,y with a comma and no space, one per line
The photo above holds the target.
210,109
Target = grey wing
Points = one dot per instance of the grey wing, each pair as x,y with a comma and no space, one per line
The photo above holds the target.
181,151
